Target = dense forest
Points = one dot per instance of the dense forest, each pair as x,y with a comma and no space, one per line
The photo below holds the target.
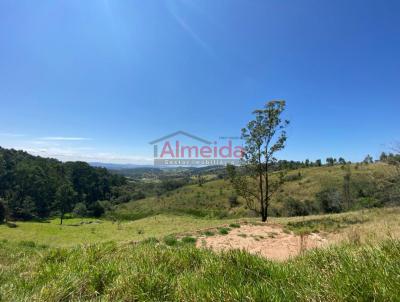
33,187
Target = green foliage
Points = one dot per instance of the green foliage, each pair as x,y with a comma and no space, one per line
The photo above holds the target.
32,186
330,200
263,137
64,199
224,231
234,225
326,224
294,207
96,209
80,210
233,201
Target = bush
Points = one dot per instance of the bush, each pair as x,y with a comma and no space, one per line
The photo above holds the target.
80,210
233,201
294,207
368,202
96,209
234,225
330,200
224,231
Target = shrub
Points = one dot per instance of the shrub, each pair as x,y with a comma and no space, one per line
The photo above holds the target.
96,209
233,201
368,202
224,231
234,225
330,200
294,207
80,210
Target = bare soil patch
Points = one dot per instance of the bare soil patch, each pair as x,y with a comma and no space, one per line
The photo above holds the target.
266,240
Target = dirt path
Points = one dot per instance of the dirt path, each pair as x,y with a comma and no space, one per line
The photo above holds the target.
267,240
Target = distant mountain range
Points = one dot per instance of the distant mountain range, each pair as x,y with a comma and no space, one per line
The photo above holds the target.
111,166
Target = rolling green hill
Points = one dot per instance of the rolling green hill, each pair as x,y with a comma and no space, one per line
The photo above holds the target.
302,185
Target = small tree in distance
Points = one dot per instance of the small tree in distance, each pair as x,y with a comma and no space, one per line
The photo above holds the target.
65,197
263,137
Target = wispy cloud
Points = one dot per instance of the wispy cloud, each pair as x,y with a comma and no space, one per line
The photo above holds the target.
7,134
86,154
64,138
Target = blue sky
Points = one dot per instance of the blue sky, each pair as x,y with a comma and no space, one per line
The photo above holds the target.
98,80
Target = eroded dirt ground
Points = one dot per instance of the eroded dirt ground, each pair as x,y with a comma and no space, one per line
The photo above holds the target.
267,240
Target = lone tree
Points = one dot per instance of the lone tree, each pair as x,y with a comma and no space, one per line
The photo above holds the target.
65,198
263,137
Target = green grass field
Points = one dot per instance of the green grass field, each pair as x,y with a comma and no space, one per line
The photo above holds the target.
155,272
369,223
137,261
80,231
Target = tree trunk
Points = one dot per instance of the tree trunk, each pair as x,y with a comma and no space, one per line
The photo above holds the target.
264,214
61,218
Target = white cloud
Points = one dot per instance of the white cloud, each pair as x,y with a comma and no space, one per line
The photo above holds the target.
64,138
87,154
11,134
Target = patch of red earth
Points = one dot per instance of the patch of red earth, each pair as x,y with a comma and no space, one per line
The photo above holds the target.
267,240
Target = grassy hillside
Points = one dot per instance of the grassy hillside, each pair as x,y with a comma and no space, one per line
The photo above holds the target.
42,261
211,199
83,231
373,224
151,271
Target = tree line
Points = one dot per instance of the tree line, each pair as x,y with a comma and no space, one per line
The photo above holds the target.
32,187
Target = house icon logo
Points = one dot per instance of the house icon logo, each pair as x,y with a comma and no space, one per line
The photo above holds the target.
156,142
181,148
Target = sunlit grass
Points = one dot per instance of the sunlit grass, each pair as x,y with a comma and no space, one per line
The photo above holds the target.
154,271
72,232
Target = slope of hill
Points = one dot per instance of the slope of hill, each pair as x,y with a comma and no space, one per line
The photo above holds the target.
175,270
302,186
